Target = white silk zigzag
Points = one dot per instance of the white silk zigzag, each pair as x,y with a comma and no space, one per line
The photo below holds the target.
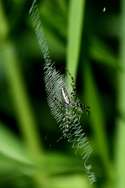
64,104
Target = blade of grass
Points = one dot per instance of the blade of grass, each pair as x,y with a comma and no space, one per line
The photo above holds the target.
11,147
76,18
22,107
70,181
3,25
13,155
102,54
120,137
21,103
92,98
20,99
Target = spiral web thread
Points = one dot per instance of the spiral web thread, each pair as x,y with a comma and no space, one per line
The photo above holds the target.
64,104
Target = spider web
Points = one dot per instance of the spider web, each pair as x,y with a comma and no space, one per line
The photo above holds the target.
64,104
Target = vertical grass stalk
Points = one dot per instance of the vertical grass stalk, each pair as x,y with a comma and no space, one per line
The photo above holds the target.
23,110
97,118
120,137
76,19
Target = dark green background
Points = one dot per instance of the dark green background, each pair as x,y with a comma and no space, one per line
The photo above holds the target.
30,155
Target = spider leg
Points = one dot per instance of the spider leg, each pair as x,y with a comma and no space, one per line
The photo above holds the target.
86,108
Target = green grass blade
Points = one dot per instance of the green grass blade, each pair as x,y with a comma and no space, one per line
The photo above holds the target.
70,181
76,17
102,53
120,138
10,147
92,98
21,103
20,99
